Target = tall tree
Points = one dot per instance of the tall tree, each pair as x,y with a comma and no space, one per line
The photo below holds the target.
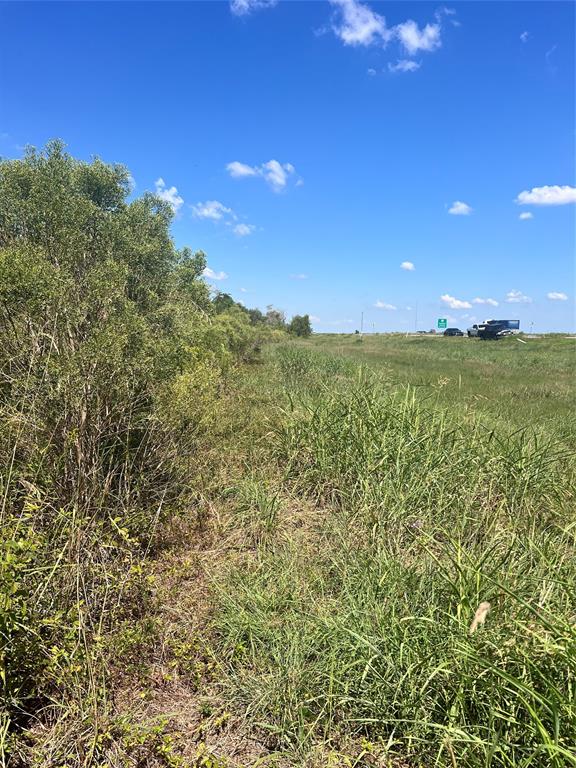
300,326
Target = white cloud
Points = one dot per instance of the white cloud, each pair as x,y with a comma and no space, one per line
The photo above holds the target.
314,319
546,195
454,303
244,7
404,65
491,302
211,275
244,290
211,209
359,25
382,305
415,39
458,208
408,266
275,173
557,296
239,170
371,72
525,216
217,211
547,56
243,229
169,195
524,36
517,297
300,276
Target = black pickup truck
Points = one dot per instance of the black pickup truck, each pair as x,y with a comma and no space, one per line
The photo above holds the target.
494,329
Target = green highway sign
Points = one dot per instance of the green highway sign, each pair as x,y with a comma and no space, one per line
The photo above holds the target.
442,322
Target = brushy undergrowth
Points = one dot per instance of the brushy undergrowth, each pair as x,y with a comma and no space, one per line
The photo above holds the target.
113,359
426,609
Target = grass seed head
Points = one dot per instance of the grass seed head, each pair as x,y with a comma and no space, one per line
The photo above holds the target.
480,616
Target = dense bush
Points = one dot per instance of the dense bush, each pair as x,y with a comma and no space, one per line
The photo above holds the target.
111,356
300,326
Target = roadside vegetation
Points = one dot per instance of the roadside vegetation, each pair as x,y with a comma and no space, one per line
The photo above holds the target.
114,356
409,592
223,544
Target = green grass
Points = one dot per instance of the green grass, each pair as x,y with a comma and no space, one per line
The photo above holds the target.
513,381
397,484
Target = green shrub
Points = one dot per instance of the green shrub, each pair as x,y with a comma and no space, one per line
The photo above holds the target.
110,364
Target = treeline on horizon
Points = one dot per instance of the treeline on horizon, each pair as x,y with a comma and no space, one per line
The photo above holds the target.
299,325
114,354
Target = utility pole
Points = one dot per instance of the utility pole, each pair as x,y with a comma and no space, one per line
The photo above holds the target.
362,324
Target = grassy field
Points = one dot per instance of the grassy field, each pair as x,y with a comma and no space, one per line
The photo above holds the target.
377,568
531,383
400,585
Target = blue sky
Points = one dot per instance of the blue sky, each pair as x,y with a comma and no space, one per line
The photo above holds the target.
312,148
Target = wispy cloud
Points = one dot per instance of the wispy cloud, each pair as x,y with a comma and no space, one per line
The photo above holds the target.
169,195
404,65
408,266
212,209
525,36
554,195
491,302
458,208
240,170
358,24
300,276
415,39
355,23
383,305
552,68
517,297
526,216
557,296
211,275
454,303
242,230
276,174
245,7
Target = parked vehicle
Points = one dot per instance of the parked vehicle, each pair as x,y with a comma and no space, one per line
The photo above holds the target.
453,332
472,331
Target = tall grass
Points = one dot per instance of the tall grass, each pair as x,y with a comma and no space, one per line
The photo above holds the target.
356,627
